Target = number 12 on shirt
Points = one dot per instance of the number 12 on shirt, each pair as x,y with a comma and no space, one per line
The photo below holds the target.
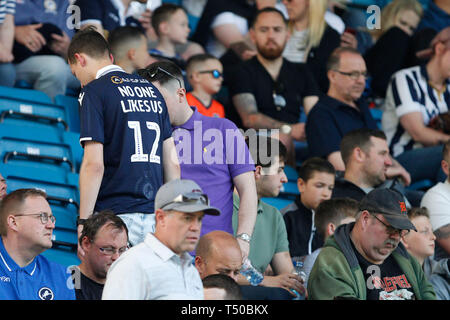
139,155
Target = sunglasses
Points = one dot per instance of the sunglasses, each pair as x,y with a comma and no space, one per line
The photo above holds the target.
151,75
215,73
278,100
191,197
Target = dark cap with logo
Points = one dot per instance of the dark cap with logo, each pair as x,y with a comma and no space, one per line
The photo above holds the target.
391,204
183,195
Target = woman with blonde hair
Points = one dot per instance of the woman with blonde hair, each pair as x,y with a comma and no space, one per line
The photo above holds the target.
312,40
390,45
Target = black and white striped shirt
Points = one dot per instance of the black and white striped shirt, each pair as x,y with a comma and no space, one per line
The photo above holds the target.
409,91
7,7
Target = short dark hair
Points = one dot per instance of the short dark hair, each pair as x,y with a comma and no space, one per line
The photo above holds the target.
359,138
163,14
334,211
90,42
13,201
123,35
264,149
197,59
446,151
93,224
265,10
222,281
312,165
334,59
153,73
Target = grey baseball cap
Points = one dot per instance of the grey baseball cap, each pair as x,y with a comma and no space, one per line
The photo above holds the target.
185,196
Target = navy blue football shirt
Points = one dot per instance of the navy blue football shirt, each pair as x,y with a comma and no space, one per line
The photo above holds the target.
128,115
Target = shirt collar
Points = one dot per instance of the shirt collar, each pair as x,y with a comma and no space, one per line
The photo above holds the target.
11,265
189,125
109,68
164,252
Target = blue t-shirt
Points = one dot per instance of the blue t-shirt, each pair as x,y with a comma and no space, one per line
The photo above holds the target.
49,11
40,280
128,115
108,13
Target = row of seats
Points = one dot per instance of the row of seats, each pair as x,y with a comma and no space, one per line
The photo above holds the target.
39,148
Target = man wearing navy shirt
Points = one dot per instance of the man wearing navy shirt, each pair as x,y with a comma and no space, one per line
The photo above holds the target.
26,227
126,134
343,110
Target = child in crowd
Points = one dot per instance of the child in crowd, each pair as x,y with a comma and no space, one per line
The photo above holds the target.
315,183
171,25
330,215
204,73
421,245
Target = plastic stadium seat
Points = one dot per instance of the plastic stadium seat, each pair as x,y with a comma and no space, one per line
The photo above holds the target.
278,203
71,106
291,173
72,139
377,114
289,190
65,255
25,94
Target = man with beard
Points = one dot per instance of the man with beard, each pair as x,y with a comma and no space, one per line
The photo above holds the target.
268,91
365,259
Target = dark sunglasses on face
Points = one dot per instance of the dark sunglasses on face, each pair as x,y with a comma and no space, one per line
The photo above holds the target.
215,73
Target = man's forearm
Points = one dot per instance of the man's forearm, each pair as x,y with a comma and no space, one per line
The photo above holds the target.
7,33
248,206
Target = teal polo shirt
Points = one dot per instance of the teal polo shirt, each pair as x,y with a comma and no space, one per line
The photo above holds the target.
269,235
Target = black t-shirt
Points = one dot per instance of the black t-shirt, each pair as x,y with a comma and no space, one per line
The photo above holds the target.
385,281
90,290
295,82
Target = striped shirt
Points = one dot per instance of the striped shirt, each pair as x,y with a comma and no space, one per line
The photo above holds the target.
408,92
7,7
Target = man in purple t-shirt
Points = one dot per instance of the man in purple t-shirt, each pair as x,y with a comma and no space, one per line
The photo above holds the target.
212,152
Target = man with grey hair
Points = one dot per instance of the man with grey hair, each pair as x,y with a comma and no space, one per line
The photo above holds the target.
161,267
365,259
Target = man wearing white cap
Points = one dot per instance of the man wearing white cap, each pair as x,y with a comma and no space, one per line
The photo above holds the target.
161,267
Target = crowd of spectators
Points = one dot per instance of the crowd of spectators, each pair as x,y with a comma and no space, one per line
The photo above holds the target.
171,191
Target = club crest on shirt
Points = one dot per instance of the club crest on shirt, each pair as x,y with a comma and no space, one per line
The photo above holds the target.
45,294
116,80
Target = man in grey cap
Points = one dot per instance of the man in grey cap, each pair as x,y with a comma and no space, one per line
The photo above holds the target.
366,260
161,267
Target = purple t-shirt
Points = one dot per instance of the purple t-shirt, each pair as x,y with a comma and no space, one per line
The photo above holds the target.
212,151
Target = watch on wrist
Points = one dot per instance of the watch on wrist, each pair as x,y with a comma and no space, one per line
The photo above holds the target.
286,129
244,236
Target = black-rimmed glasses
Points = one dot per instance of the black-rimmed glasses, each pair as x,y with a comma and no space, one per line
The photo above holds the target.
44,216
215,73
354,75
391,230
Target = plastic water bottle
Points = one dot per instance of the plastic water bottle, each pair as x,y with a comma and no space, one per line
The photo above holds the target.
298,270
253,276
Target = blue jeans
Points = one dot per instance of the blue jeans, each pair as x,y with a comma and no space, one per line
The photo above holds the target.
138,224
47,73
423,164
7,74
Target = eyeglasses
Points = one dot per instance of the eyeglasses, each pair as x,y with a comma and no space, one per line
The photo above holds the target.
278,100
391,230
215,73
354,75
191,197
145,73
44,216
112,251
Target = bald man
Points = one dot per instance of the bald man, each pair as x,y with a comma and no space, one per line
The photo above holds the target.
218,252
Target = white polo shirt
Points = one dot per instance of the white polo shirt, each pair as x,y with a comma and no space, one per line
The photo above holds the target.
151,271
437,200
